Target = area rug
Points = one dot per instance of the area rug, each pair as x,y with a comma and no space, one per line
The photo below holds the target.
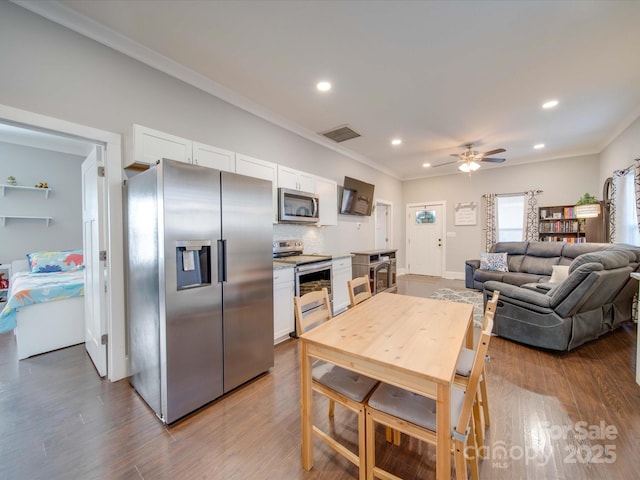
463,296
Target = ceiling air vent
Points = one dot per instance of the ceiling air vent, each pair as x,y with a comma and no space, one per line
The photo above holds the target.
340,134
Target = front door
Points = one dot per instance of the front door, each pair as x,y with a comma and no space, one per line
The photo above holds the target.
95,267
425,228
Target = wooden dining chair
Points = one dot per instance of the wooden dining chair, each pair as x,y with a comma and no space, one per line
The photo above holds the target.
463,372
347,388
359,283
415,415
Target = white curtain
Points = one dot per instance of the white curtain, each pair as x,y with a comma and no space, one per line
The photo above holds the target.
491,234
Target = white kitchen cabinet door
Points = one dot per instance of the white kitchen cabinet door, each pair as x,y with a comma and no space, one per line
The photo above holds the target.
340,288
214,157
283,292
150,145
327,190
254,167
296,179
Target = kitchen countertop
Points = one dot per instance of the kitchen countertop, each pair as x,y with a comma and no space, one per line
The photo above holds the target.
279,265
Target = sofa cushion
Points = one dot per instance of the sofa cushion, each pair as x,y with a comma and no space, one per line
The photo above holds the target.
515,262
544,249
539,265
512,248
608,258
573,250
496,262
487,275
520,278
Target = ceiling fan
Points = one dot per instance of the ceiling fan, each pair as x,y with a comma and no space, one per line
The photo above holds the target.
469,159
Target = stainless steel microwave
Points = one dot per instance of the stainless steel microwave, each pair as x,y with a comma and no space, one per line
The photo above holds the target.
295,206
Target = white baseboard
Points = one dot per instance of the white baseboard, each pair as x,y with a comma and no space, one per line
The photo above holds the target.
453,275
447,275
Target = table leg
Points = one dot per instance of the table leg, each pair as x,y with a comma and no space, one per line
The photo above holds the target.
307,408
443,432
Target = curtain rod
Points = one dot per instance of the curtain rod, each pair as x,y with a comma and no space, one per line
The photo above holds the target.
514,193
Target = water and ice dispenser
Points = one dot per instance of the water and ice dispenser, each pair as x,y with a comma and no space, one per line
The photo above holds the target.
193,263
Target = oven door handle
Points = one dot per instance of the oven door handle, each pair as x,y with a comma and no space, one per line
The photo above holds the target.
313,267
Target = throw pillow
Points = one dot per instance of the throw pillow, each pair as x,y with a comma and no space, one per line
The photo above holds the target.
496,262
559,273
52,261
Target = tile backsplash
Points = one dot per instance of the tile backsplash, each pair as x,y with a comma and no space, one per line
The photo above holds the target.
310,235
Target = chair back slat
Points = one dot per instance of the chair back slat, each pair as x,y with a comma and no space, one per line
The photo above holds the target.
474,376
316,316
360,283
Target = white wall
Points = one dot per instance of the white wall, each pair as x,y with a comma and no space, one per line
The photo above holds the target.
30,166
563,181
59,73
621,152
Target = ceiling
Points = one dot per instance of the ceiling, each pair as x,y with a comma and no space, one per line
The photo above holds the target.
435,74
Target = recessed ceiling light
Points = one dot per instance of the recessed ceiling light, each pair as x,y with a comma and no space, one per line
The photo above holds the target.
550,104
426,165
396,141
323,86
538,146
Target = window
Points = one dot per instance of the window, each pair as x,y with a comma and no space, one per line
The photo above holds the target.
626,220
510,218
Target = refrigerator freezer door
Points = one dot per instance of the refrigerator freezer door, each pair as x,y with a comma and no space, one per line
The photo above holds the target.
248,289
192,333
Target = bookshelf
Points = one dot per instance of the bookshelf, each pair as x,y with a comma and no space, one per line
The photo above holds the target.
558,223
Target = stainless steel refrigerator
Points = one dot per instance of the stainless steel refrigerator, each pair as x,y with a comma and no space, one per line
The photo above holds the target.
200,284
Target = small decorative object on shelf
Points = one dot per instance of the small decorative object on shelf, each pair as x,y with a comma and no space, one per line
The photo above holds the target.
587,207
42,185
11,180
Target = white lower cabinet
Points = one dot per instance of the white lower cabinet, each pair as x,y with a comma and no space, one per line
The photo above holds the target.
340,288
283,293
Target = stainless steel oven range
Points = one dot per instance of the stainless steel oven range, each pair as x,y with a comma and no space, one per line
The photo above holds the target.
312,272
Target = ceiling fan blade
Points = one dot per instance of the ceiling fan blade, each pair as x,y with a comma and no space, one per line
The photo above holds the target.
443,164
454,154
493,152
492,160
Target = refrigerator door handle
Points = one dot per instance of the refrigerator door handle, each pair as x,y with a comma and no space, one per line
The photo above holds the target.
222,261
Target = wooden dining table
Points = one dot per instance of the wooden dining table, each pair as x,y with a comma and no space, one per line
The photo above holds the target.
410,342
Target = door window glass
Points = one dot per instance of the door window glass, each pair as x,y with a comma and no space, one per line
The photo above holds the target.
425,216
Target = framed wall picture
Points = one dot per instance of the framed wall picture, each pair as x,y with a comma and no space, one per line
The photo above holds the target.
466,213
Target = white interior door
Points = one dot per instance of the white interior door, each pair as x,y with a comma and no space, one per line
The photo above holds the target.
93,243
382,226
425,228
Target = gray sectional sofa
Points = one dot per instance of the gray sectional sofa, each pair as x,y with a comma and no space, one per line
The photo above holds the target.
596,296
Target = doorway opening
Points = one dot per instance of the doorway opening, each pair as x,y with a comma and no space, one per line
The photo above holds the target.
383,224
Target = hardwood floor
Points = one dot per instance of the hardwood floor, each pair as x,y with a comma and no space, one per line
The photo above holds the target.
58,420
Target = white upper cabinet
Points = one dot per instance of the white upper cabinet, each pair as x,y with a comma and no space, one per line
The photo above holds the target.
214,157
327,190
254,167
150,145
296,180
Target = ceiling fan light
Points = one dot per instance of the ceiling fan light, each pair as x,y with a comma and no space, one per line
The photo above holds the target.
469,167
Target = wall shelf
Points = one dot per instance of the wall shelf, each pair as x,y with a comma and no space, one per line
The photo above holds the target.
4,218
20,187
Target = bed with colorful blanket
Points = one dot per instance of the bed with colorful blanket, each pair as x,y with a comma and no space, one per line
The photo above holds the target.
45,305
